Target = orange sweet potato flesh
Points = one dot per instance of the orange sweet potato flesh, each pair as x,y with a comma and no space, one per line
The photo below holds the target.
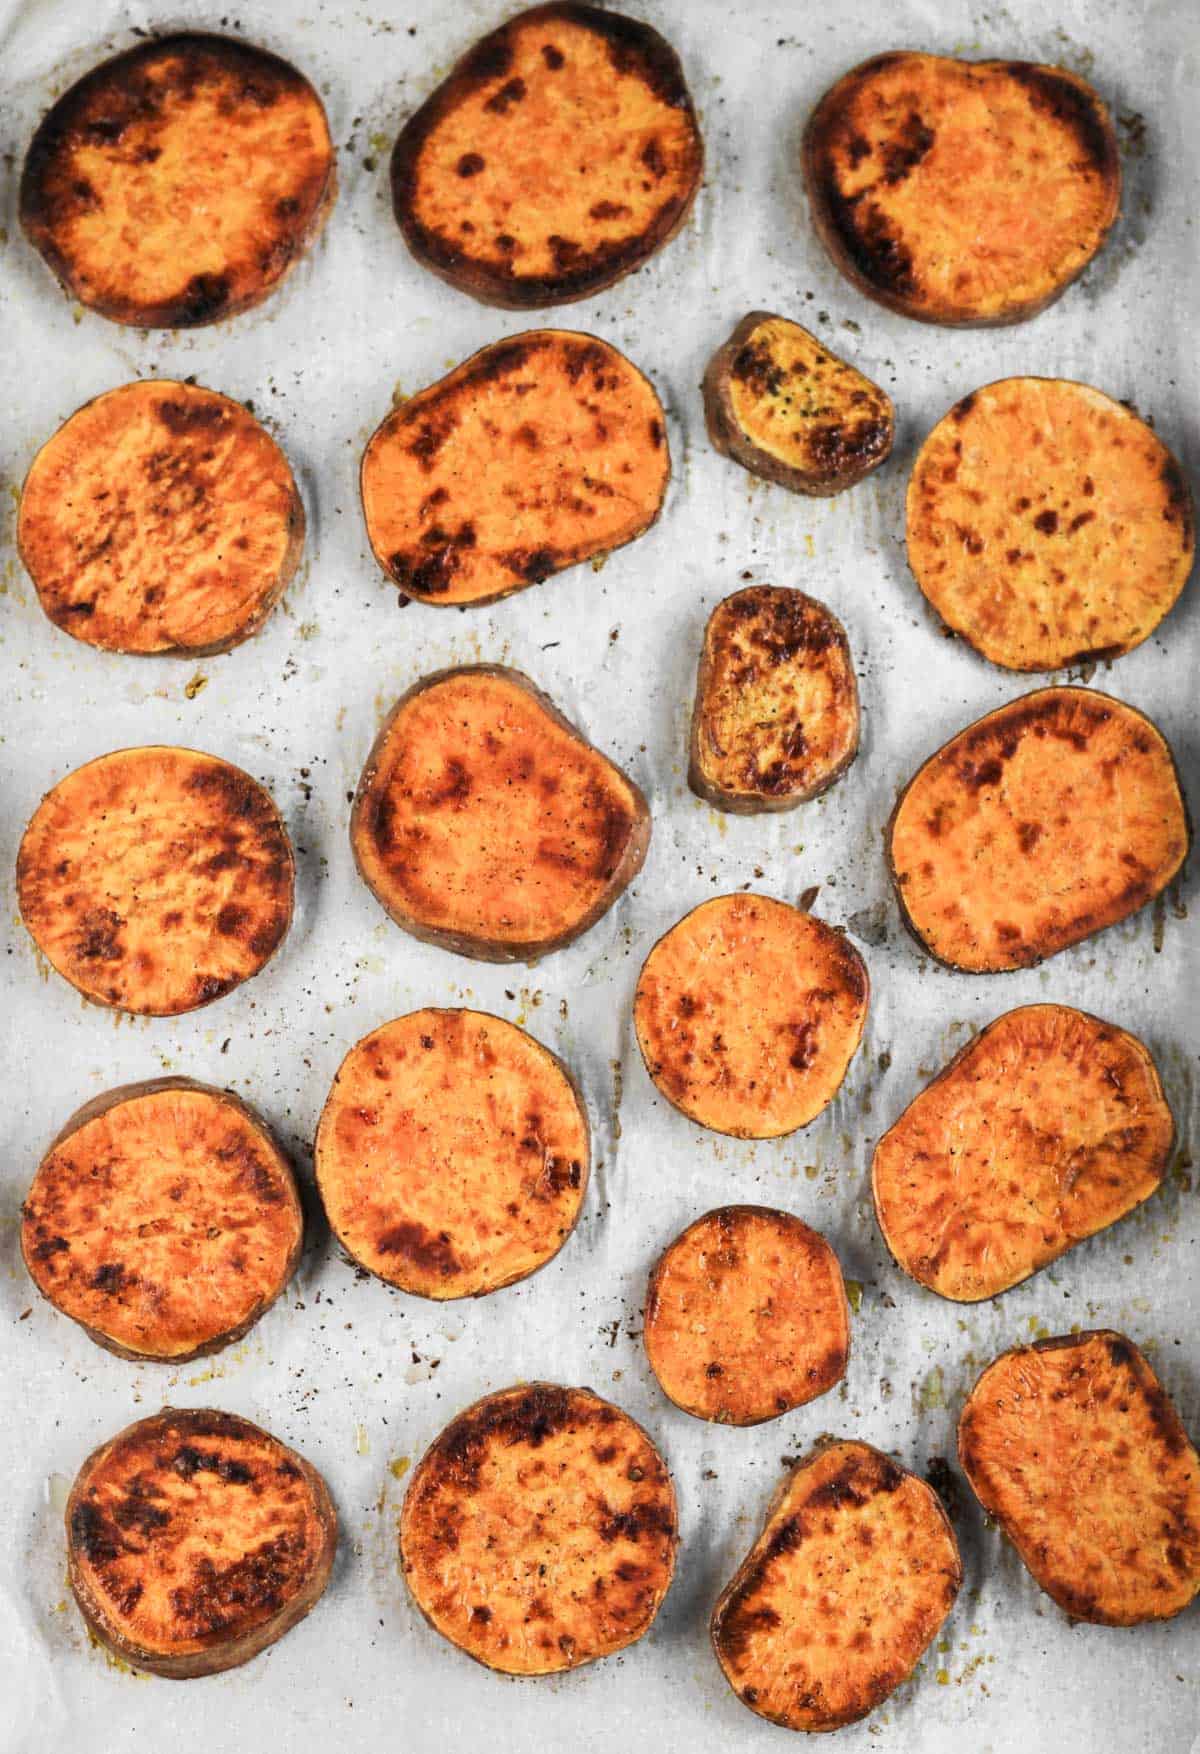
1044,822
854,1572
539,452
156,880
539,1531
485,822
560,153
1048,1127
961,192
1076,1450
179,182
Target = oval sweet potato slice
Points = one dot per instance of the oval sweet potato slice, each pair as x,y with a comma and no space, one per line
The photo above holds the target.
1045,1129
1076,1450
161,517
177,183
775,721
560,153
1045,821
164,1219
195,1540
746,1316
537,453
486,823
748,1013
961,192
539,1531
1048,525
156,880
831,1609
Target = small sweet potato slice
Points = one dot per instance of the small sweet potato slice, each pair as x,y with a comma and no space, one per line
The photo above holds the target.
161,517
1074,1447
177,183
195,1540
961,192
539,1531
156,880
164,1219
775,722
855,1570
537,453
485,822
746,1316
748,1013
1048,525
559,154
1042,823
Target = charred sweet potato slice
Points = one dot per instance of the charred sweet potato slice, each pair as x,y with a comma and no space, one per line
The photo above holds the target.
746,1316
195,1540
178,183
748,1013
539,1531
776,716
486,823
164,1219
537,453
1045,1129
1049,819
156,880
559,154
961,192
1076,1450
831,1609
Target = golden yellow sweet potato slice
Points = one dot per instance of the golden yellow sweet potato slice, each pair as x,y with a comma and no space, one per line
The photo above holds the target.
1049,819
156,880
539,1531
775,721
1045,1129
831,1609
559,154
486,823
195,1540
1076,1450
1048,525
962,192
178,183
748,1013
746,1316
164,1219
537,453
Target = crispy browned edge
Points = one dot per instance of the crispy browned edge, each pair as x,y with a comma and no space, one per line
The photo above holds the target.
739,803
1086,109
231,1654
658,65
37,225
489,949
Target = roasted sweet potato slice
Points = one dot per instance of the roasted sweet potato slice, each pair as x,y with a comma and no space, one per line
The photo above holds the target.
1074,1447
486,823
1046,1128
962,192
1049,819
195,1540
560,153
746,1316
164,1219
776,716
831,1609
537,453
748,1013
539,1531
156,880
